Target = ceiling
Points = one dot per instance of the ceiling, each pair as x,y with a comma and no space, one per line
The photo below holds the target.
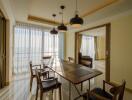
88,9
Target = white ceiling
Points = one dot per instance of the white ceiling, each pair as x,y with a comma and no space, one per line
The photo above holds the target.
45,9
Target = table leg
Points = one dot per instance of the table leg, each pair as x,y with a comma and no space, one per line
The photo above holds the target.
69,90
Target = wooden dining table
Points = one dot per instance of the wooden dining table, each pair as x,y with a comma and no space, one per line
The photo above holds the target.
74,73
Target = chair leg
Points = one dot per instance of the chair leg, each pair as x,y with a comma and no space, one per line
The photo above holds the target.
81,86
60,92
37,93
31,81
41,95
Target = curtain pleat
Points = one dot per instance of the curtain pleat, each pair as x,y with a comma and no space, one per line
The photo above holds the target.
31,44
87,47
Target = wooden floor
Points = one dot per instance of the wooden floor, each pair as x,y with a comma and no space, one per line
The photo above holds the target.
19,88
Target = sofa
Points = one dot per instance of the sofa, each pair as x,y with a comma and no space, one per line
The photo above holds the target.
85,60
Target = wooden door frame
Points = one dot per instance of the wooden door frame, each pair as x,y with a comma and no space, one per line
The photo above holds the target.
107,47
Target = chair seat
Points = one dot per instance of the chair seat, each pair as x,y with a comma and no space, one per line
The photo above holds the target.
100,92
50,84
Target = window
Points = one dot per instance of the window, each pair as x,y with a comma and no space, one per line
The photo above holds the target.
31,43
87,47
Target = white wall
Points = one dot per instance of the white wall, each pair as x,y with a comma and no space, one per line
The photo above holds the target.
121,50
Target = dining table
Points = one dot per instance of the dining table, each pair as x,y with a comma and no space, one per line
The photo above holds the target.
73,73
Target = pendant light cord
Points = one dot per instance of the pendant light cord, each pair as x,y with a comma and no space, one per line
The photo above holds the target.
76,11
62,7
62,16
54,15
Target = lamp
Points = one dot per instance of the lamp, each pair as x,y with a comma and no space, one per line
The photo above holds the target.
76,21
62,27
54,31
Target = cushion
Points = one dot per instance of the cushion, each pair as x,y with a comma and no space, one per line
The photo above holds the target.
50,84
86,62
101,92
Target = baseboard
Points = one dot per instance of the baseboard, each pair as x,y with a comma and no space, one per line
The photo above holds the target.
127,89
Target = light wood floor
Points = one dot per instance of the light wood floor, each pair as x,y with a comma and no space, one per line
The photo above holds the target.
19,88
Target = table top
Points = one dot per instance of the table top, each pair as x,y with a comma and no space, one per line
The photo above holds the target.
72,72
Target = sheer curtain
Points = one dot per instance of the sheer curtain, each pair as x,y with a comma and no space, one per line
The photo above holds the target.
87,47
31,43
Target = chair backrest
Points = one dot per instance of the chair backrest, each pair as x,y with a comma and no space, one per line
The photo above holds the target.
118,91
33,67
31,70
121,93
71,59
44,59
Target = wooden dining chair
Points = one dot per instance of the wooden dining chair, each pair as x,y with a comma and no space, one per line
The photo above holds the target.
115,93
46,85
46,60
33,75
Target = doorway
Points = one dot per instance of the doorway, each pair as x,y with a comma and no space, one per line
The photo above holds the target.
95,42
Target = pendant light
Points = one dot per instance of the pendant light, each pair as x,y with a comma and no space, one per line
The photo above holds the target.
62,27
54,31
76,21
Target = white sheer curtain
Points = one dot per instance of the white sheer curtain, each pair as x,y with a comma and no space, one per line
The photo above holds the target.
61,45
31,43
87,46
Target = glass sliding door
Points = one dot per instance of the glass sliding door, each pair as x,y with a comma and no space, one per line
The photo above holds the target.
31,43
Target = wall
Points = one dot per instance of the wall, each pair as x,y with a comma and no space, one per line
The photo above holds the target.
70,45
6,9
121,48
101,47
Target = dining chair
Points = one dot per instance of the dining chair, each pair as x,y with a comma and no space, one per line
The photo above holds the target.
71,59
114,93
46,85
33,75
45,60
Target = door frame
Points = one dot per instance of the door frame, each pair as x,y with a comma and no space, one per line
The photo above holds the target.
107,47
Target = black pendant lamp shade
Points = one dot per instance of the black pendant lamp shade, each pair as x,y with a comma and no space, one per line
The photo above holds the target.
54,31
76,21
62,27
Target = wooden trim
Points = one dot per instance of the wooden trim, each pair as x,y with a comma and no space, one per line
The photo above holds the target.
42,20
108,30
87,29
98,8
107,52
1,13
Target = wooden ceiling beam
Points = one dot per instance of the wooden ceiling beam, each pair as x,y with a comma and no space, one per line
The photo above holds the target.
98,8
42,20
